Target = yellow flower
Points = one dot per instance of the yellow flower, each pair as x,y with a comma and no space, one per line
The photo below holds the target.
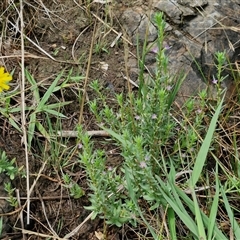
4,79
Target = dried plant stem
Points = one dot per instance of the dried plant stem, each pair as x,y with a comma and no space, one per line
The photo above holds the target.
21,215
76,40
45,236
73,134
86,78
32,187
23,116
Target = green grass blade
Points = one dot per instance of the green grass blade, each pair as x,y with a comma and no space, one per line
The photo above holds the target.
16,110
116,136
176,204
1,226
132,196
234,224
34,87
172,223
43,131
174,91
187,220
214,208
54,113
200,226
171,182
217,233
202,154
48,92
56,105
31,128
14,124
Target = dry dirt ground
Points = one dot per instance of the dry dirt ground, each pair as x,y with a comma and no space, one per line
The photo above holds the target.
63,30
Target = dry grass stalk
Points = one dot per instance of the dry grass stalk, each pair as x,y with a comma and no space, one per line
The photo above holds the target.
23,116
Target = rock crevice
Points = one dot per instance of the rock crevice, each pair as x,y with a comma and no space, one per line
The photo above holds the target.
195,31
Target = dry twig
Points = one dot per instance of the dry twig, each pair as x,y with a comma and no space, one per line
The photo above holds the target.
23,116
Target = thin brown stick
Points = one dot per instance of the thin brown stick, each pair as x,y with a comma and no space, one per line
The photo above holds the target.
33,185
45,215
21,215
74,44
44,198
12,213
45,236
23,116
86,77
74,134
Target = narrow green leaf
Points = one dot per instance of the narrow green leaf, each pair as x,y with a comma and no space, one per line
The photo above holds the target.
214,208
217,233
14,124
31,128
1,225
116,136
49,92
234,223
55,113
56,105
202,154
42,130
187,220
200,226
172,95
34,87
172,223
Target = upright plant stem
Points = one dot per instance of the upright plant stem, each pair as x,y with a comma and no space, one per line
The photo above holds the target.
87,75
23,117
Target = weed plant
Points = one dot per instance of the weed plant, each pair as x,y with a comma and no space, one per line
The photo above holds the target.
158,145
8,167
164,151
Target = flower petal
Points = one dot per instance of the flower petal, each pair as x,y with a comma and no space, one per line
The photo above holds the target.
4,79
1,71
4,86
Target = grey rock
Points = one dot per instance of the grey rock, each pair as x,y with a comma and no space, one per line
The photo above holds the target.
193,3
174,11
196,30
138,26
146,28
131,21
170,9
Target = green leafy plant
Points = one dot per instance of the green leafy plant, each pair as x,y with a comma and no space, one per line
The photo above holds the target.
10,190
100,48
41,106
135,127
157,143
8,167
75,190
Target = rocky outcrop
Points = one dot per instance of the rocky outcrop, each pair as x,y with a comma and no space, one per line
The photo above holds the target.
195,31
